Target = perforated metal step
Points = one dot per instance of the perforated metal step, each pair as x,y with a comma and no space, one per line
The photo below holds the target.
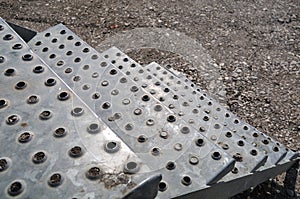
152,131
235,147
194,111
276,152
153,117
51,144
234,123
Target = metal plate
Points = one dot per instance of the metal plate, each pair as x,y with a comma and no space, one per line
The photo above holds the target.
202,104
235,124
191,110
151,130
51,144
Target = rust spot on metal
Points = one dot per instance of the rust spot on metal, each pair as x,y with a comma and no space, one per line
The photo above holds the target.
111,180
24,124
238,157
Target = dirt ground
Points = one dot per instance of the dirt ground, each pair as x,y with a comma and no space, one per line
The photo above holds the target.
255,42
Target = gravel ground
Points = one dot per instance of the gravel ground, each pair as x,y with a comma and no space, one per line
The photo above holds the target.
255,43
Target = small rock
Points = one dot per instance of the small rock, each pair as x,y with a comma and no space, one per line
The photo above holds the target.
175,22
280,20
238,71
151,8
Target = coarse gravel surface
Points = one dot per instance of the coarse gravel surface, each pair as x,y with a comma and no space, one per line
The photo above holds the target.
256,44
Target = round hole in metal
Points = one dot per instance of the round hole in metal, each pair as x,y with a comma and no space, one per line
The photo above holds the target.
194,160
4,164
10,72
62,32
15,188
33,99
8,37
171,165
86,50
162,186
38,69
155,151
70,37
50,82
20,85
12,119
68,70
112,147
39,157
77,59
17,46
60,132
77,111
137,111
93,128
45,115
25,137
131,167
75,152
228,134
93,173
63,96
142,139
186,180
106,105
164,134
241,143
45,49
199,142
253,152
27,57
171,118
178,146
185,130
235,170
96,96
216,155
55,180
3,103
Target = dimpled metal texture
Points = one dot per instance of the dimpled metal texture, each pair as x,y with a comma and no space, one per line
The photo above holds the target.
193,100
149,121
47,149
187,160
248,157
122,125
194,106
186,87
